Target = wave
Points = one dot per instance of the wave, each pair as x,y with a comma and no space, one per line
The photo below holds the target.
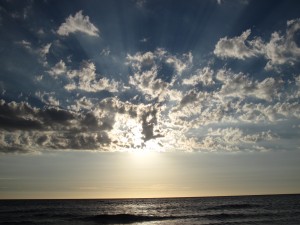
25,222
255,222
233,206
224,216
129,218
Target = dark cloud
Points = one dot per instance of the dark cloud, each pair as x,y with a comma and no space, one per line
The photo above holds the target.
16,123
55,115
15,116
189,98
24,127
149,121
114,105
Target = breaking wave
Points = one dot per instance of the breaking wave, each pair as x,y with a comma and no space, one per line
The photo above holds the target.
128,218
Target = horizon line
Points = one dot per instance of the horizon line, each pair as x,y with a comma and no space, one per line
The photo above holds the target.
125,198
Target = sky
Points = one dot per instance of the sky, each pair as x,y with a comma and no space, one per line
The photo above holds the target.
149,98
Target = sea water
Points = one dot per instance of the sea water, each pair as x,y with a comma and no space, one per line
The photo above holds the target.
269,209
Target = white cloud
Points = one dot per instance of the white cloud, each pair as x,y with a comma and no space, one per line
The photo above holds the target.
241,86
47,98
78,23
237,47
268,89
41,52
81,104
139,61
39,78
263,136
25,44
145,61
149,85
58,69
180,64
150,78
234,136
257,113
45,50
197,109
281,49
232,140
204,76
70,86
85,79
105,52
227,135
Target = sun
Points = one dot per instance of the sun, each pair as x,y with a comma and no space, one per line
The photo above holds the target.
127,134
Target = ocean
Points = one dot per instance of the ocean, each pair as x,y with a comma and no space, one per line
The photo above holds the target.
268,209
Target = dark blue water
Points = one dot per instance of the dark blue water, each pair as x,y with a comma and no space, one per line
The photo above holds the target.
275,209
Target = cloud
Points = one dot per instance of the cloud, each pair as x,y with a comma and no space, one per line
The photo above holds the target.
203,76
26,128
110,125
159,59
237,47
78,23
140,3
114,105
196,109
234,98
230,140
47,98
45,50
154,99
140,61
280,111
282,49
149,121
58,69
295,94
154,73
22,116
279,50
175,105
144,40
149,85
235,136
183,124
25,44
180,64
41,52
258,137
105,52
39,78
85,79
241,86
135,126
81,104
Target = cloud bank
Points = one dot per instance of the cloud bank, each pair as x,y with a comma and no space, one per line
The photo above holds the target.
156,99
